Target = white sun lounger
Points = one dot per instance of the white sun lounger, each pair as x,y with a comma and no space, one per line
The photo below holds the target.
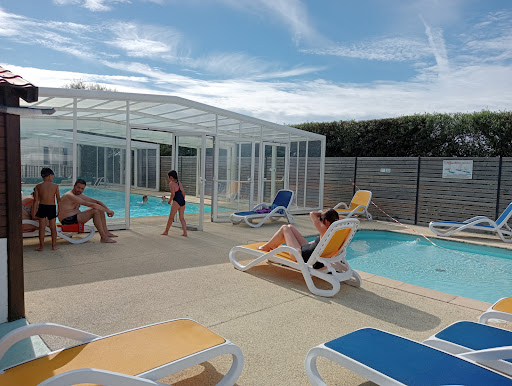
500,226
135,357
501,310
389,359
465,337
262,212
63,231
359,205
330,251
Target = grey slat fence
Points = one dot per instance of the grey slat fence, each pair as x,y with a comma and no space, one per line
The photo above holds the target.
413,191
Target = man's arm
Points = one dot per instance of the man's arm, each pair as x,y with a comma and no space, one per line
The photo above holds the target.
57,196
91,203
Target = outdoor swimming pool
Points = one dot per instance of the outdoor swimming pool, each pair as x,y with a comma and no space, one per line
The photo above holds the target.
472,271
115,201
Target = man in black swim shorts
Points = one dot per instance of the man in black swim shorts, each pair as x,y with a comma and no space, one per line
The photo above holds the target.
69,211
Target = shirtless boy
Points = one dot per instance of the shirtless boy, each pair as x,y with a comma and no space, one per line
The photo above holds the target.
69,212
45,194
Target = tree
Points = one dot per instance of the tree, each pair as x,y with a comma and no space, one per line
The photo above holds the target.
80,84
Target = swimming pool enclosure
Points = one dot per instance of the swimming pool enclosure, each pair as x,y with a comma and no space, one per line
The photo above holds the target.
224,159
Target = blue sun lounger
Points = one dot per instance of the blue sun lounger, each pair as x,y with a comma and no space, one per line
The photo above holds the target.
389,359
500,226
262,212
465,337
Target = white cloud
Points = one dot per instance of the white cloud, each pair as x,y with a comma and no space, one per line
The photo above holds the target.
391,49
144,40
92,5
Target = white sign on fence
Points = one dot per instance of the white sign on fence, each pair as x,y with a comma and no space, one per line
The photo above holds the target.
461,169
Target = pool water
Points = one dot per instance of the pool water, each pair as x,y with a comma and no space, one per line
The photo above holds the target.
115,201
476,272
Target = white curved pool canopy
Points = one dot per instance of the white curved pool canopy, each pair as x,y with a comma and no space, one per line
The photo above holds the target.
251,155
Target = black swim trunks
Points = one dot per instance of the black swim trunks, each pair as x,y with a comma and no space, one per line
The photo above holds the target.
70,220
47,211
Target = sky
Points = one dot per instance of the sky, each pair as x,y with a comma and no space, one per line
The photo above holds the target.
286,61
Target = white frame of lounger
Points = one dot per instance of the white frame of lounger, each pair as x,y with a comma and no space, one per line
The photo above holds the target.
363,370
493,314
503,230
355,211
104,377
335,278
87,228
493,358
273,215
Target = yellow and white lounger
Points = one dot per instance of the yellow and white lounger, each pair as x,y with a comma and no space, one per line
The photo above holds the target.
358,205
501,310
135,357
330,251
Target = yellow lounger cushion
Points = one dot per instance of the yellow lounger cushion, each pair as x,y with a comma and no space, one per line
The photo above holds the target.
284,255
131,352
504,305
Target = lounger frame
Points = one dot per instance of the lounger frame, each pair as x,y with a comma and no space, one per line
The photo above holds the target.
482,223
492,313
104,377
87,229
337,268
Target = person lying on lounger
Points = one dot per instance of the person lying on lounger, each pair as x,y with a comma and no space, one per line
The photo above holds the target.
69,212
292,237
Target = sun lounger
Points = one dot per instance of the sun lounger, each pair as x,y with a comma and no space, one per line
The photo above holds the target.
358,205
389,359
63,231
135,357
263,212
500,226
501,310
330,251
464,337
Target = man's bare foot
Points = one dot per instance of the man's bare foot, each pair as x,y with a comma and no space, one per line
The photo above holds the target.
40,249
107,240
111,235
54,248
165,234
184,235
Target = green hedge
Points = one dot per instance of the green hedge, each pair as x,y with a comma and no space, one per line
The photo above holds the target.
479,134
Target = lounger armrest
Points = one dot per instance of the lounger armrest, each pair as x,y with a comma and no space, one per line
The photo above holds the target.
43,328
97,377
477,218
339,205
491,354
260,205
356,209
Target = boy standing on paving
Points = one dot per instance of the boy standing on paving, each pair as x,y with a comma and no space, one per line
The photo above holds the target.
45,194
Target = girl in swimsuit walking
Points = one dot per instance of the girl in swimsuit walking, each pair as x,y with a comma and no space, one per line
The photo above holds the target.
177,202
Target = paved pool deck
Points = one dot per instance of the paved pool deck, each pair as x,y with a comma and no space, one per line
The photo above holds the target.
267,311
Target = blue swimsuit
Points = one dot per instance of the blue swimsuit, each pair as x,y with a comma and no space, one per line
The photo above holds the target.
178,196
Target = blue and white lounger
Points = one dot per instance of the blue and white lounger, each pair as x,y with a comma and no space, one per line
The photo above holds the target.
262,212
481,339
389,359
500,226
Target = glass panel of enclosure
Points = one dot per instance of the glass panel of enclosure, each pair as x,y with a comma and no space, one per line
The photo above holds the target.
190,173
46,143
234,182
274,167
101,162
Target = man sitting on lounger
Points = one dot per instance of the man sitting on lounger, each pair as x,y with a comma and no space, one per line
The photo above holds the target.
69,212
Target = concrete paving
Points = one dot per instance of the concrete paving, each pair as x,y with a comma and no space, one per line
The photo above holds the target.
267,311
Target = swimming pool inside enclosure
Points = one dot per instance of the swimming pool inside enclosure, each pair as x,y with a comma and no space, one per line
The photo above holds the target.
115,201
462,269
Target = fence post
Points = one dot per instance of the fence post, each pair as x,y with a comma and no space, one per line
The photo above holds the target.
355,175
499,188
417,191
